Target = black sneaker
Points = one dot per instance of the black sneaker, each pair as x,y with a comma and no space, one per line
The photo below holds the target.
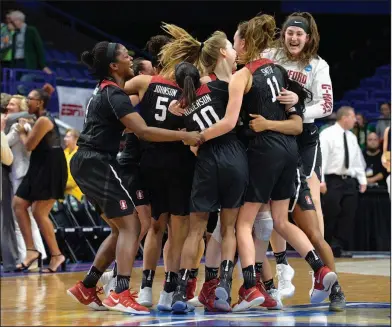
337,299
222,293
179,303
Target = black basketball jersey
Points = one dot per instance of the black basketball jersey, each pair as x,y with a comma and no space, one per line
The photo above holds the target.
155,103
132,152
268,81
102,128
154,109
209,107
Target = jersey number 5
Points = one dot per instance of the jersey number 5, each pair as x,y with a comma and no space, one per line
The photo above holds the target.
269,82
207,119
161,116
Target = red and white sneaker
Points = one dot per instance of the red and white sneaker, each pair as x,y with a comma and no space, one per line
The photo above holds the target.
248,298
323,280
87,296
125,302
269,302
191,291
207,294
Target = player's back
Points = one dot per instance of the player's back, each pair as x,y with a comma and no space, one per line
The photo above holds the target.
154,109
209,107
268,81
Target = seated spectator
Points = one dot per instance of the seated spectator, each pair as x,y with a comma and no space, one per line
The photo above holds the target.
385,119
70,140
362,129
375,172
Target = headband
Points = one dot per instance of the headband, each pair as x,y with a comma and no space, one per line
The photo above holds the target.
298,23
110,53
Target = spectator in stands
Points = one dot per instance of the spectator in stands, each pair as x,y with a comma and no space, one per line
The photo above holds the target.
70,139
342,167
28,50
386,156
7,32
19,169
385,119
9,250
362,129
375,172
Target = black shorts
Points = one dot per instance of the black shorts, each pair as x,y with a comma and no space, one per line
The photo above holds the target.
302,196
133,182
99,178
221,176
272,170
212,221
169,189
309,150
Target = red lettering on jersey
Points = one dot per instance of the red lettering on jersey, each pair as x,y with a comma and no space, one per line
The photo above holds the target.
123,205
252,66
327,97
72,110
298,77
162,80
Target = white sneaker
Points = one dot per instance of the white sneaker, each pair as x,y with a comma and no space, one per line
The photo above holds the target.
144,297
165,301
285,275
106,277
195,302
274,293
110,286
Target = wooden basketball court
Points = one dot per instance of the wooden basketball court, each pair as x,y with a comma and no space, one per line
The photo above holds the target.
34,299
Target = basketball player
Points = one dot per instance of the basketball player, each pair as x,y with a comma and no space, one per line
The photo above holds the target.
168,171
109,111
272,157
297,52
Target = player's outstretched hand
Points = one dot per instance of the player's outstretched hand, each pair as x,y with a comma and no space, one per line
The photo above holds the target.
287,97
259,123
175,108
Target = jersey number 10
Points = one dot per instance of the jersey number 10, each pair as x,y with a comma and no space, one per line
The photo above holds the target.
269,82
204,115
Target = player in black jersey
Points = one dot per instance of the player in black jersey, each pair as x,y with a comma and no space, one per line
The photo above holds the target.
221,169
272,156
167,169
95,170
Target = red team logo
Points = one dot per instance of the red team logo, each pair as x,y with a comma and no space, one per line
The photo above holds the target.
308,199
139,194
123,205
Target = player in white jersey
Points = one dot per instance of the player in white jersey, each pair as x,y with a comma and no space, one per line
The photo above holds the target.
297,52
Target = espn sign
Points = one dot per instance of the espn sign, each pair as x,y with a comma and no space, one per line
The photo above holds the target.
72,105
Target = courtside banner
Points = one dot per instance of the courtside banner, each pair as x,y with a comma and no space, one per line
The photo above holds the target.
72,104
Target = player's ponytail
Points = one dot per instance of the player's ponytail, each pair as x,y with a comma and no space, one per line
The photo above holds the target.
259,34
187,78
183,48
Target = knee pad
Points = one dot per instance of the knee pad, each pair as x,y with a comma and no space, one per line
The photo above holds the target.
216,234
263,225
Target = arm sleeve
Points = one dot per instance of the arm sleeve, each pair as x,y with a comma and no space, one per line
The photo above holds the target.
13,136
322,103
119,102
6,154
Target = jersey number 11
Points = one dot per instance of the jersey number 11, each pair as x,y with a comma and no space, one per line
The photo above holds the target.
269,82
